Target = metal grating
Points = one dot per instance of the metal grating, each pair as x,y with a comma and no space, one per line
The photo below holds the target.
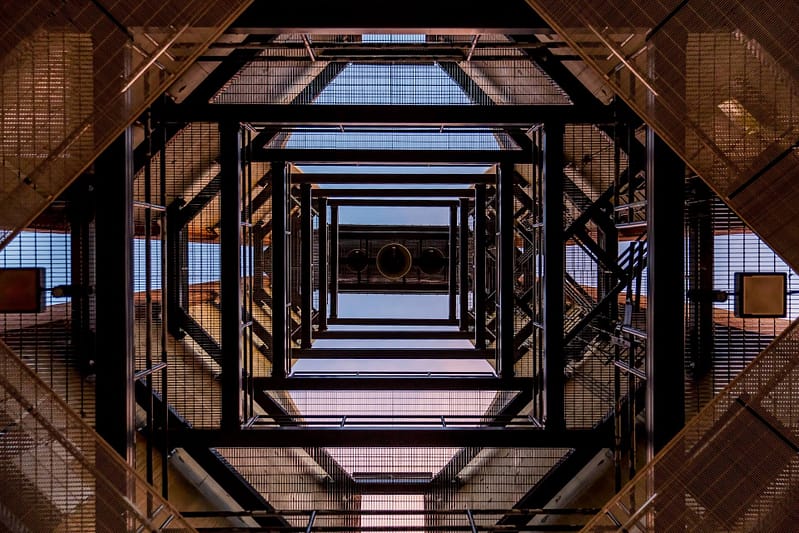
718,355
74,75
56,343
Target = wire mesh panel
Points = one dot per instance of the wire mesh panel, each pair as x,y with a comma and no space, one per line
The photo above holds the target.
57,342
74,75
59,474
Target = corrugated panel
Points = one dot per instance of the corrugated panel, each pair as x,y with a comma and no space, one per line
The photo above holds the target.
75,74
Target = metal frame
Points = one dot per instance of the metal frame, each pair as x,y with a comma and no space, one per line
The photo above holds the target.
507,353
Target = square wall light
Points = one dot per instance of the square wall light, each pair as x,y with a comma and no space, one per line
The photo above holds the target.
761,295
22,290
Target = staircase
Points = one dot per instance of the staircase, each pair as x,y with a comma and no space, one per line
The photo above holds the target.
719,84
74,75
58,474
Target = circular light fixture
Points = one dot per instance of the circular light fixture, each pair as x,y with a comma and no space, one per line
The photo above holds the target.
357,260
394,261
431,261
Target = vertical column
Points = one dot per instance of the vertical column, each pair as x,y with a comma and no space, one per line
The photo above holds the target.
505,271
322,238
479,289
259,266
177,252
114,297
333,261
230,272
279,251
463,262
701,246
452,262
553,275
505,283
306,265
665,383
81,213
115,366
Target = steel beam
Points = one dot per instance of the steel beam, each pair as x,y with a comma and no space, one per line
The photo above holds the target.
505,282
369,321
454,116
448,17
463,265
391,353
479,287
394,157
393,202
81,214
399,286
306,266
230,272
292,436
177,261
407,192
202,199
279,271
554,269
377,382
323,284
188,325
452,264
114,297
259,233
334,251
391,334
393,178
665,385
115,404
